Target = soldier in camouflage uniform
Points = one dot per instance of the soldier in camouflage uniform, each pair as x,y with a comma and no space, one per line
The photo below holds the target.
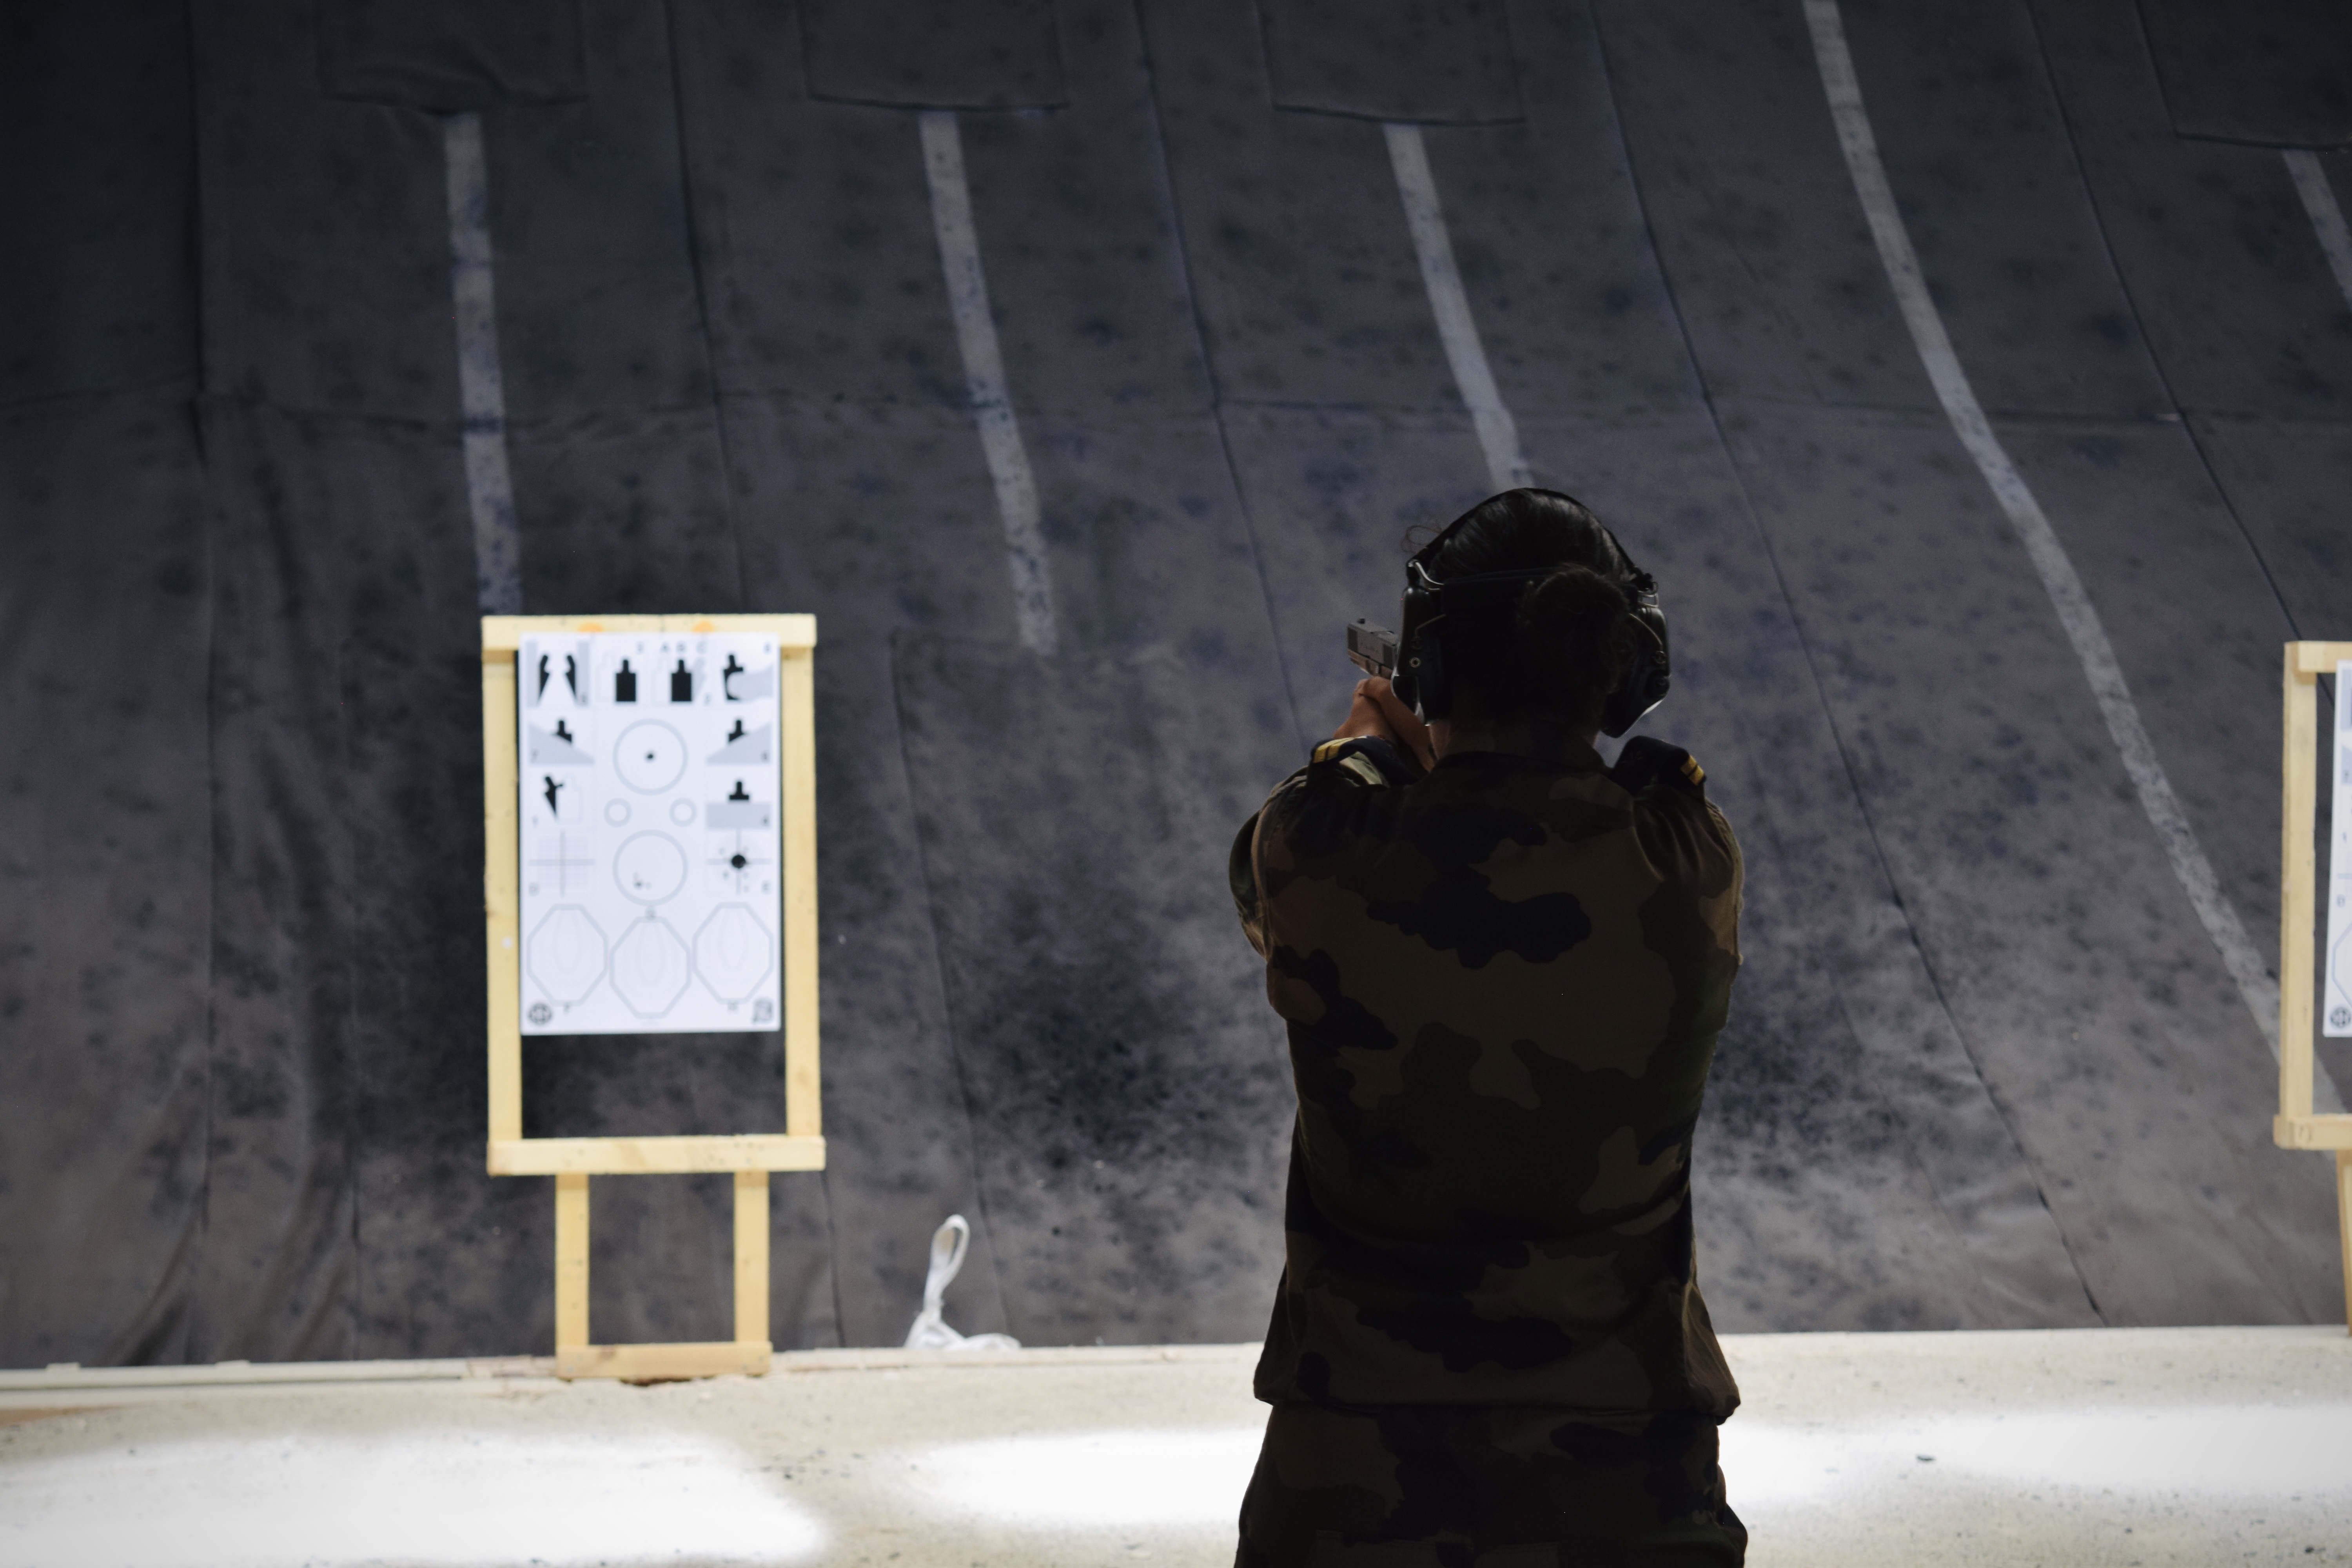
1503,976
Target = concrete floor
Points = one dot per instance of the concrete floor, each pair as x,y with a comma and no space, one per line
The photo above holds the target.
2124,1447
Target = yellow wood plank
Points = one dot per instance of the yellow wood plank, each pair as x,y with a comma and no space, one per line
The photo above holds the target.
571,1261
2312,1131
803,1087
2299,878
504,634
649,1364
2344,1224
751,1258
2319,658
501,898
656,1156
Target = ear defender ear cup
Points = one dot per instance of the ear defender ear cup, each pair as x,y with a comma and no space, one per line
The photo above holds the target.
1420,678
1650,675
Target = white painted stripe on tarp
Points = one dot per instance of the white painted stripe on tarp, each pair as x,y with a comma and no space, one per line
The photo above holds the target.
1497,433
481,391
2219,917
983,373
2310,177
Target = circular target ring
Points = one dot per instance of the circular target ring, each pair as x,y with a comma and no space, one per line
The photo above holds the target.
649,867
649,756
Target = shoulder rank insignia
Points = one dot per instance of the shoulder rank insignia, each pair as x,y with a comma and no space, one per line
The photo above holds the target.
1646,760
1365,759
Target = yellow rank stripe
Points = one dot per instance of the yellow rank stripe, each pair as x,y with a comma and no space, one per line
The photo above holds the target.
1362,767
1692,771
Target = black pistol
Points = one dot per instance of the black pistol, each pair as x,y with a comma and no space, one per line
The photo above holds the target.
1373,648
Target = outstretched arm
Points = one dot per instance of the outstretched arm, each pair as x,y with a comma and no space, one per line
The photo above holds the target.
1375,712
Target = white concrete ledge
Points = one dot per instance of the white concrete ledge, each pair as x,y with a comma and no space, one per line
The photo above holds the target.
95,1385
2047,1350
73,1376
2175,1446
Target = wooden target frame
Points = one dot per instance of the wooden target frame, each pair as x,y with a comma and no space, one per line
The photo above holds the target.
2298,1126
750,1156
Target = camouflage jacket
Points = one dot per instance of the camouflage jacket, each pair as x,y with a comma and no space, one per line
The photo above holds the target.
1502,982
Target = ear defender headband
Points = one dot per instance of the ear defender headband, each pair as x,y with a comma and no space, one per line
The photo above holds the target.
1420,678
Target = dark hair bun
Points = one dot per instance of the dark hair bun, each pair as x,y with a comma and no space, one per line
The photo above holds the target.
1566,641
1574,643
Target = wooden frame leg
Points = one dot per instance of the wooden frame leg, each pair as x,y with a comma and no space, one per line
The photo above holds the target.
2344,1223
751,1258
571,1261
747,1352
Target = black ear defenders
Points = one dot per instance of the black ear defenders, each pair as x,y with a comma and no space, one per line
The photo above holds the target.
1420,678
1649,673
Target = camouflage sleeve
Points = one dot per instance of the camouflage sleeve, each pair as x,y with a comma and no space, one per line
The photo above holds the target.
1356,761
1682,832
1240,877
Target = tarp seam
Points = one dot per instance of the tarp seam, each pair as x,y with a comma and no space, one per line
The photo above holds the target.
1217,402
1829,714
2068,595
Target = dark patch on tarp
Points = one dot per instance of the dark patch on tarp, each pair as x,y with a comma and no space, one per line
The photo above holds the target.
2017,258
1775,279
2228,282
276,1277
1393,59
322,291
106,852
99,184
934,54
1130,1096
2067,951
2276,73
447,55
1307,284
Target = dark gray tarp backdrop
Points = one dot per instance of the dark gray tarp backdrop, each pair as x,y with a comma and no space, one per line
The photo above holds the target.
1985,1069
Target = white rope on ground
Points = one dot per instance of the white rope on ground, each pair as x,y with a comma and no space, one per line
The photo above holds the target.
1499,435
2310,177
482,390
2256,985
983,373
930,1332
